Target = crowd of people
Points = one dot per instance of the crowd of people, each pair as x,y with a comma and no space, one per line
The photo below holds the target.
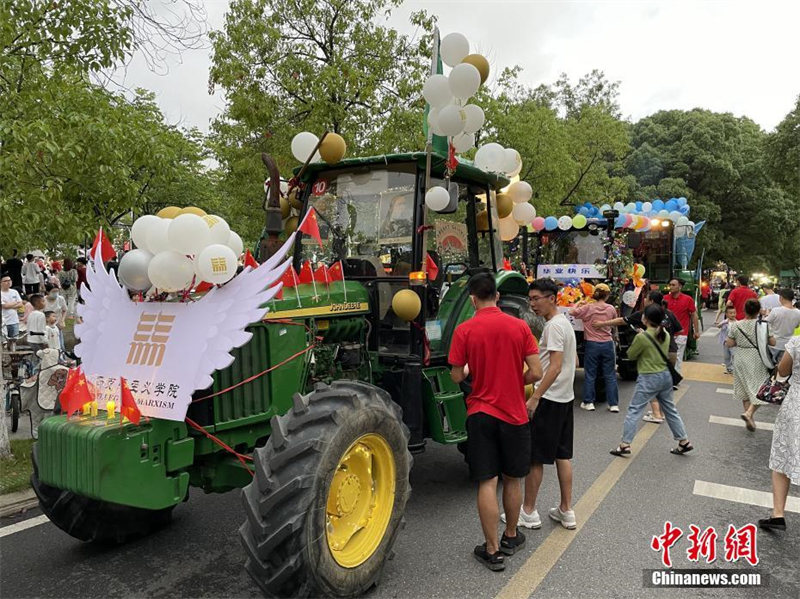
511,436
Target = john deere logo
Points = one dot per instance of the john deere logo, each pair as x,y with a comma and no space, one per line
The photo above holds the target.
150,339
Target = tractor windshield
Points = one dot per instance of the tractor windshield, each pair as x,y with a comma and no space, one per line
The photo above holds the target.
572,247
653,249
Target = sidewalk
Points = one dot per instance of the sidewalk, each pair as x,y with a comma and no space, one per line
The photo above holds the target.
19,501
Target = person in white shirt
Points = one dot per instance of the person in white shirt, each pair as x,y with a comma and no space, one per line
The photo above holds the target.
11,301
770,300
37,324
550,407
54,302
52,333
784,319
31,275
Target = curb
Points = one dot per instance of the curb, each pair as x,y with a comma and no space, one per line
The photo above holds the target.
20,501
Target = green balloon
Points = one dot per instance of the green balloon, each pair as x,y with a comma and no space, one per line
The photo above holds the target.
579,221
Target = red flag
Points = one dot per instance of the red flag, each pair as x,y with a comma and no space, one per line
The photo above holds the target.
289,278
430,265
306,275
203,287
310,227
106,249
335,272
75,392
249,260
321,274
128,408
507,264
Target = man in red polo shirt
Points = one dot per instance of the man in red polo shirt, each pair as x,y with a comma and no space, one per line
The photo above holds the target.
492,347
740,295
682,305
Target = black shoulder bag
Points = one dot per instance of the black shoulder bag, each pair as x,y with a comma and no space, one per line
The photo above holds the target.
676,376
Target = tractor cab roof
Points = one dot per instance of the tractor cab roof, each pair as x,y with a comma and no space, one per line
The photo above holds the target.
465,171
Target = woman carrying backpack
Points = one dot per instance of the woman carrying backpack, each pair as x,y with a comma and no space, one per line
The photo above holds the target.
649,349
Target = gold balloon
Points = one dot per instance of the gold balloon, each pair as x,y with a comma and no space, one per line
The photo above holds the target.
479,62
290,225
294,199
504,205
193,210
482,221
332,148
169,212
285,208
406,304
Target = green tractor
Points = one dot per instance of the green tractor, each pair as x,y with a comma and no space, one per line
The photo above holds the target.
338,386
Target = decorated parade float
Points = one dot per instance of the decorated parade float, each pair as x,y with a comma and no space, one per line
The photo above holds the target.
304,377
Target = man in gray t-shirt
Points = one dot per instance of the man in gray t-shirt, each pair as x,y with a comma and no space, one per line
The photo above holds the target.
784,319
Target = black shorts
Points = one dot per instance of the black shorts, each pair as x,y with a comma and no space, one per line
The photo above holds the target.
496,447
551,432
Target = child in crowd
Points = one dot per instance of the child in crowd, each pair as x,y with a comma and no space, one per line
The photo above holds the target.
37,324
52,332
727,352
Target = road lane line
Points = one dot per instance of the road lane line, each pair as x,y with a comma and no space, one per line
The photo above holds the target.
24,525
725,390
760,426
538,565
742,495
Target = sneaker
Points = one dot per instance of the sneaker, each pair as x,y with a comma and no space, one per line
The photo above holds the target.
527,520
589,407
567,518
674,387
510,545
613,408
494,561
650,418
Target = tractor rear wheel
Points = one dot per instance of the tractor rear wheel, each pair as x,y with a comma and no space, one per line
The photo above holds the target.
329,493
93,520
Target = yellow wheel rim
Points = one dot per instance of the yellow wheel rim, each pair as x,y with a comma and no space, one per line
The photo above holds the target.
360,500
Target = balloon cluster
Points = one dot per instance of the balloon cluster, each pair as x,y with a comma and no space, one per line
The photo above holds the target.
331,150
513,210
639,216
177,247
447,95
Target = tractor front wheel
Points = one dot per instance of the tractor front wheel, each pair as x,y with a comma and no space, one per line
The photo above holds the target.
329,493
93,520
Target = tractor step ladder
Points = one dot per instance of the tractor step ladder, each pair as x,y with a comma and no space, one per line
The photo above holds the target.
444,406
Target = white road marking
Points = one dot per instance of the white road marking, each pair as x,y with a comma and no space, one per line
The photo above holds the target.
24,525
725,390
711,332
760,426
742,495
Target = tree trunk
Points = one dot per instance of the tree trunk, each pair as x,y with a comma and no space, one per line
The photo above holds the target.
5,442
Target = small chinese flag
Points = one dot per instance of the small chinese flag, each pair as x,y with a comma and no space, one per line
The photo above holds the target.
306,274
452,161
289,278
203,287
75,392
249,260
321,274
106,249
335,272
128,409
432,269
310,227
507,264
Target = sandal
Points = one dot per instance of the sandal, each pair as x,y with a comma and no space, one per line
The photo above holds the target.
748,421
682,448
621,450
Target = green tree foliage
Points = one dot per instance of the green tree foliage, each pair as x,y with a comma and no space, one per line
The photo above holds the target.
783,153
292,65
75,156
718,162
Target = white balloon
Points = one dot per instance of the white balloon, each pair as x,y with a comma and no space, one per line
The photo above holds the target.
437,198
512,162
454,48
683,221
663,213
520,191
436,91
157,239
475,118
219,231
630,207
523,213
189,234
465,80
132,270
565,222
463,142
216,264
647,207
604,208
674,216
451,120
487,156
509,228
170,271
303,144
433,120
235,243
619,207
140,229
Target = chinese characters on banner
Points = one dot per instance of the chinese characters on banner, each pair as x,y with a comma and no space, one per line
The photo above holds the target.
739,543
568,271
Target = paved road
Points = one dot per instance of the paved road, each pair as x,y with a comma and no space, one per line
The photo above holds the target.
620,505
